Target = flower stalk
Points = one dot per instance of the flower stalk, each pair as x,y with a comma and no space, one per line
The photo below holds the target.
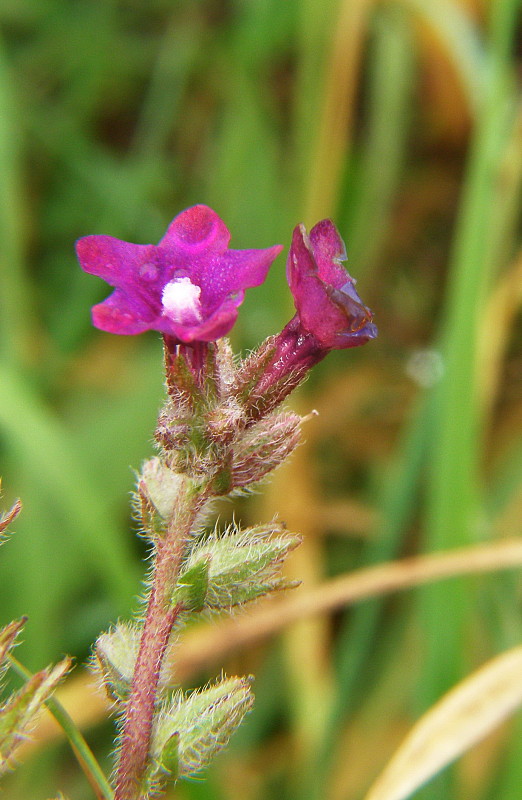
219,433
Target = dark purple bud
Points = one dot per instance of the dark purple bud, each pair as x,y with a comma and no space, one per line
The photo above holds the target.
188,287
328,307
330,316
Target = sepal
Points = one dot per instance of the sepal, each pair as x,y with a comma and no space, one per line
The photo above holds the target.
181,380
251,371
238,567
18,712
191,729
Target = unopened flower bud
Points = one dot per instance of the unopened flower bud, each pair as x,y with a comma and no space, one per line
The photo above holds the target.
190,730
171,432
264,447
116,652
161,486
224,421
238,567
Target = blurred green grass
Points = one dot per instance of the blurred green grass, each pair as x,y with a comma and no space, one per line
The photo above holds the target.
403,121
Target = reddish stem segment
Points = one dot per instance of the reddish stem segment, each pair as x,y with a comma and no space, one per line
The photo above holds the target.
159,621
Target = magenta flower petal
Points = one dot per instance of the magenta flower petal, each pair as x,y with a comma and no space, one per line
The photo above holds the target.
329,250
328,306
188,287
115,315
104,255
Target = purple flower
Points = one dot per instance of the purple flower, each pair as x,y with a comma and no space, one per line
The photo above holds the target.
328,307
330,316
188,287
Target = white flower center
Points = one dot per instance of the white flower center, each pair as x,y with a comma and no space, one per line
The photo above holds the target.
180,300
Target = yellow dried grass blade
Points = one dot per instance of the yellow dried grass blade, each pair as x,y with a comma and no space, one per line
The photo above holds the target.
459,720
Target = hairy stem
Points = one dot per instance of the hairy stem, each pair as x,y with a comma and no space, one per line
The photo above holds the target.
159,622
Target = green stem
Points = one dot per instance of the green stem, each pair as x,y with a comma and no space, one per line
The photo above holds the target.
81,749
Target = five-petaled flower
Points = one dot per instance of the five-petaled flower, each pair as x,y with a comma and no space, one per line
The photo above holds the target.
188,287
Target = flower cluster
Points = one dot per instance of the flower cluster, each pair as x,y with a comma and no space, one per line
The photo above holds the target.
220,432
191,284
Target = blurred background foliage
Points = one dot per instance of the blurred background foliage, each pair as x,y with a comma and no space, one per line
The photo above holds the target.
400,119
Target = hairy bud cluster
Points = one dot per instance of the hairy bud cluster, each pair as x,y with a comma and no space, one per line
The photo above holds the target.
229,435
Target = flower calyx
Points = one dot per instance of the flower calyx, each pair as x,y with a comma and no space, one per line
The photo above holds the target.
191,729
235,568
